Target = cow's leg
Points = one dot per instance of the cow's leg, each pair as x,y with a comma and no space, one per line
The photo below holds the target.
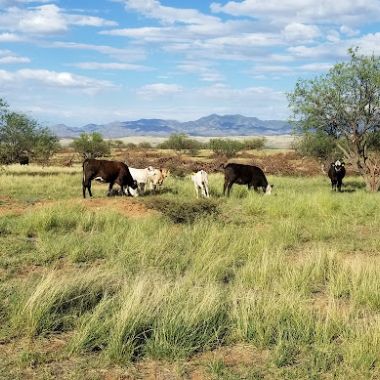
207,194
225,186
196,190
86,185
229,188
339,185
203,190
110,186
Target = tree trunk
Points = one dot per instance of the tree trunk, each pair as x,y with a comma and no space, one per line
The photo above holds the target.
368,165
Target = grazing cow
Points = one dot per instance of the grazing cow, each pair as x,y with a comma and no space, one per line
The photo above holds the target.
242,174
23,160
336,173
200,180
142,177
106,171
157,177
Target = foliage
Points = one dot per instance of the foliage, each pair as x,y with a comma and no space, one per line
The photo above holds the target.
91,145
180,142
254,143
22,136
184,212
317,145
226,147
145,145
271,283
345,105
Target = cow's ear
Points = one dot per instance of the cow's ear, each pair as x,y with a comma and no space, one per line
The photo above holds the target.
342,163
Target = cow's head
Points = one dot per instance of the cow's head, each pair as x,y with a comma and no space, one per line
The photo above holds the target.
163,174
338,165
268,189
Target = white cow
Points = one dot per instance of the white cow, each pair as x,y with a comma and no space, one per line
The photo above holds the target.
148,177
142,177
156,177
200,180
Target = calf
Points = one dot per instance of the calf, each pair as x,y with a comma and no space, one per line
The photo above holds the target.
242,174
336,173
200,180
142,177
157,177
23,160
106,171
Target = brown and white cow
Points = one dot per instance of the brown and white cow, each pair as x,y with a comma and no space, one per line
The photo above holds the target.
106,171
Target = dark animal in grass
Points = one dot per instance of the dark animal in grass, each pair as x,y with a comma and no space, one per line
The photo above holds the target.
24,160
242,174
106,171
336,173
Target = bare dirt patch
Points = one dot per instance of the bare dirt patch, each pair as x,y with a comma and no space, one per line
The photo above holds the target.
124,206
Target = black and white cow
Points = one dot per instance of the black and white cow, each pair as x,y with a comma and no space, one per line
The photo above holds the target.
336,173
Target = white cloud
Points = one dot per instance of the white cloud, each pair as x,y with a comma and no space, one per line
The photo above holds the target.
204,70
45,19
55,79
296,31
8,57
110,66
126,54
159,89
154,9
10,37
306,11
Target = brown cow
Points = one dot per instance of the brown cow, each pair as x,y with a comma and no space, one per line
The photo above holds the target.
106,171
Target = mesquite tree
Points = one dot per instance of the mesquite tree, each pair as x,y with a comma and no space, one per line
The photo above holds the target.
345,104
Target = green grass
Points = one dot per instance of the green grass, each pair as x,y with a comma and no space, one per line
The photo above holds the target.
294,275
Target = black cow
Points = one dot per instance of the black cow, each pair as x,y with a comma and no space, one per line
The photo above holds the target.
106,171
336,173
242,174
23,160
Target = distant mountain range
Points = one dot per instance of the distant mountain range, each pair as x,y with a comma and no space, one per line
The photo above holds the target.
213,125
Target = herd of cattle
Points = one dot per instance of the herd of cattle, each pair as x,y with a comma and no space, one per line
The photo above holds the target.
134,181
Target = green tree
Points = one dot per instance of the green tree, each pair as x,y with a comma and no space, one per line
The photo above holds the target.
22,136
225,147
91,145
254,143
344,104
180,142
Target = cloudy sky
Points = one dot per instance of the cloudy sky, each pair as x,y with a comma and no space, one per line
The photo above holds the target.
80,61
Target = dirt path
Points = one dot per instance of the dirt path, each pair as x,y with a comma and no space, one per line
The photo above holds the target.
125,206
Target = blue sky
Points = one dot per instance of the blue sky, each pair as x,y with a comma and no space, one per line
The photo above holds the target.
76,61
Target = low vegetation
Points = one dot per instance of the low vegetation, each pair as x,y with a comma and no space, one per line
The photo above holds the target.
289,280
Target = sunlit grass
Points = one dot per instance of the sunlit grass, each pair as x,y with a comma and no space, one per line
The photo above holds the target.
295,273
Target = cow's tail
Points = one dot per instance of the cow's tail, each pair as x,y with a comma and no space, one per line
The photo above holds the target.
84,182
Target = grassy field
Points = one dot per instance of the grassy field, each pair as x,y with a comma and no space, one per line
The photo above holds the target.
251,287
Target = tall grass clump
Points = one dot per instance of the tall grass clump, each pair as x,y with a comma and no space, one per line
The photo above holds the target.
192,319
56,301
133,322
180,211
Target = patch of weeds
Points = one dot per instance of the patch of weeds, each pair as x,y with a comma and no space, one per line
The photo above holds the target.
180,211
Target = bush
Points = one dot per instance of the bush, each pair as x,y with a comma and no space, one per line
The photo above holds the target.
91,145
317,145
184,212
257,143
145,145
181,142
226,147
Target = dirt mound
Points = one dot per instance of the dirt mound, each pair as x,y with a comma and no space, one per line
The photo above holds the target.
121,205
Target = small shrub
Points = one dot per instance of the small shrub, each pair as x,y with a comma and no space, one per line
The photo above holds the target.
184,211
225,147
251,144
145,145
